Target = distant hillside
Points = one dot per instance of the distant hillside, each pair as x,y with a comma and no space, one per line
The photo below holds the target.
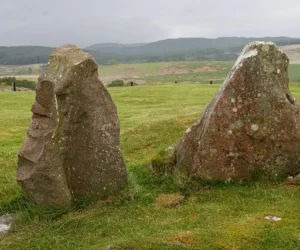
181,49
101,46
187,44
23,55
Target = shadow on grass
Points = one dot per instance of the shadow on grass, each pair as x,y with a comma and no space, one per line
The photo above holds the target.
29,210
145,183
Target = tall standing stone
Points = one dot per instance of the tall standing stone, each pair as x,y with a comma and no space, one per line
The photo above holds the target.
72,150
251,127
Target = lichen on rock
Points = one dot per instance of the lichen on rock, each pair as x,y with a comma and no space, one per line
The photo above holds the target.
251,125
72,150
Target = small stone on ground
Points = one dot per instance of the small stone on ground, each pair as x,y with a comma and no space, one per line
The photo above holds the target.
273,218
5,222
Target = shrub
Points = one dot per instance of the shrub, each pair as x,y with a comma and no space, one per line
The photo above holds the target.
116,83
25,84
19,83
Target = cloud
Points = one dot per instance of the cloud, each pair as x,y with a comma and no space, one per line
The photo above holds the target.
85,22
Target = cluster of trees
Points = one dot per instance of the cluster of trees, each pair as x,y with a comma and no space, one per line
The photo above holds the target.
120,83
8,81
116,83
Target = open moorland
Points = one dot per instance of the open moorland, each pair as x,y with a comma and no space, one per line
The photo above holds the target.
154,73
157,210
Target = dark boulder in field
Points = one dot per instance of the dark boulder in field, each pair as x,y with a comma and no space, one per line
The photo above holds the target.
251,127
72,149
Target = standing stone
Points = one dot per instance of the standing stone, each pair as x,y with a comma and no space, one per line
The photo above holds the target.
72,150
251,127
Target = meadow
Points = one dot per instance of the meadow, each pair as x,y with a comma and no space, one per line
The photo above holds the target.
211,215
153,72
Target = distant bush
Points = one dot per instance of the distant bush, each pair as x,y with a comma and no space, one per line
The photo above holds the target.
116,83
25,84
19,83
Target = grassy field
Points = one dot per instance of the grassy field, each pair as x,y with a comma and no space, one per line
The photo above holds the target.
152,117
158,72
27,70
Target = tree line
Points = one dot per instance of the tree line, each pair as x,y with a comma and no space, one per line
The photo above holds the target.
8,81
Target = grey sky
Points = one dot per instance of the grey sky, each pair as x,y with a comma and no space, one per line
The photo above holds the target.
86,22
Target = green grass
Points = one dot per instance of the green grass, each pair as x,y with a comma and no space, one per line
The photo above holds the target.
136,68
152,117
294,72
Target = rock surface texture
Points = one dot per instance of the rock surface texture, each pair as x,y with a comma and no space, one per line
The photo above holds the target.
72,149
251,127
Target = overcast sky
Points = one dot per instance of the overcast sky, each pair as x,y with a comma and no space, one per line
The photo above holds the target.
86,22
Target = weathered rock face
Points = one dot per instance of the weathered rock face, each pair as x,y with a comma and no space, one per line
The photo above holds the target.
251,127
72,150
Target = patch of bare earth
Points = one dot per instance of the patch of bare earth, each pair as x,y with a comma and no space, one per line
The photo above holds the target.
170,69
27,76
169,200
204,69
185,239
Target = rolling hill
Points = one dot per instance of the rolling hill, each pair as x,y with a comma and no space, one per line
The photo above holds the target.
23,55
230,44
181,49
